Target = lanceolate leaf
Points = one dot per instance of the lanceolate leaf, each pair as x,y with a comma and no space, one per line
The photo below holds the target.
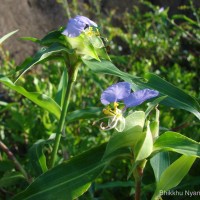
108,67
175,97
68,180
40,56
5,37
173,175
72,178
172,141
32,39
41,100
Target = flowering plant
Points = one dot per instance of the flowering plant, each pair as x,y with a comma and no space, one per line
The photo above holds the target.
137,138
78,25
122,92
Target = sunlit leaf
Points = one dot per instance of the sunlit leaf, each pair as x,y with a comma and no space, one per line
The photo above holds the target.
173,175
82,46
41,55
144,145
32,39
41,100
5,37
176,97
172,141
107,67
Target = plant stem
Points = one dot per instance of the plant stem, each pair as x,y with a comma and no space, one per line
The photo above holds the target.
14,160
138,173
66,7
138,177
72,78
138,190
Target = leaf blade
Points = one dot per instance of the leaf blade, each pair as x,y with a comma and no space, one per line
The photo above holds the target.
5,37
41,100
173,175
172,141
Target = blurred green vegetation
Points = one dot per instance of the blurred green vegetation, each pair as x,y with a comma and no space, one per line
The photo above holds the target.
141,42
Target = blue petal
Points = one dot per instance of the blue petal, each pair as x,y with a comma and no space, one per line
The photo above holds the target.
85,20
77,25
138,97
115,93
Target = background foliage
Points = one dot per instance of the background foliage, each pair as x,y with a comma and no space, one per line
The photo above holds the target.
149,41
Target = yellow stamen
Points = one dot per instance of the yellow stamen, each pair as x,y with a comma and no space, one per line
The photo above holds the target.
108,111
91,32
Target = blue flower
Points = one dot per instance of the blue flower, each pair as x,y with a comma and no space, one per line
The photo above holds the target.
122,92
77,25
115,93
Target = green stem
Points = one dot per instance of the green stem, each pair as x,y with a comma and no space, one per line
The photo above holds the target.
72,79
66,7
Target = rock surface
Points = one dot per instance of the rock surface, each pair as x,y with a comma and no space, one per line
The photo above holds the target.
33,18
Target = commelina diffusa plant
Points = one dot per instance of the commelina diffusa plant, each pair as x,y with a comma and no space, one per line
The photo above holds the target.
136,133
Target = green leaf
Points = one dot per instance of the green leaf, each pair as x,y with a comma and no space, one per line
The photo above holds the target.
87,113
144,145
127,138
184,17
55,36
70,179
62,87
107,67
5,37
159,163
37,157
32,39
41,100
67,180
173,175
177,98
153,104
11,179
41,55
172,141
